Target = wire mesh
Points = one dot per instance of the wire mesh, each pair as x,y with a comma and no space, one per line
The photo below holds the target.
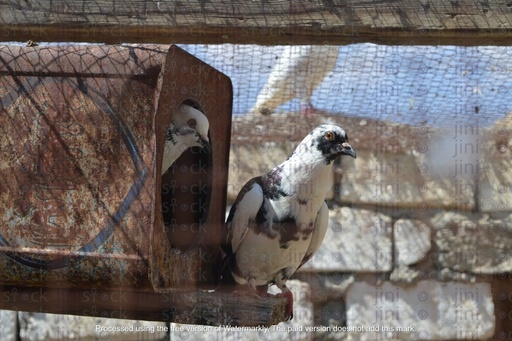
434,85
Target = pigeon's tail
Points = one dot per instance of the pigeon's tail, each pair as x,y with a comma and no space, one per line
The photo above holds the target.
223,270
225,279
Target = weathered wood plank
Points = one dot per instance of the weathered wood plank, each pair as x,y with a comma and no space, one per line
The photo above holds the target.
460,22
191,307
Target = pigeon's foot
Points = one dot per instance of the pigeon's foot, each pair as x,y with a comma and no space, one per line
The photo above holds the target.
289,305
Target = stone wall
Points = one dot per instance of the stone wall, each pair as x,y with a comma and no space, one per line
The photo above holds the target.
419,245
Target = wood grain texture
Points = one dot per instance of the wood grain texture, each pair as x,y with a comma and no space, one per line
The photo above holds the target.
190,307
459,22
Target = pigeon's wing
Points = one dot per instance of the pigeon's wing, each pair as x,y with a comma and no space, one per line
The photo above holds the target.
173,147
171,151
282,82
244,212
321,224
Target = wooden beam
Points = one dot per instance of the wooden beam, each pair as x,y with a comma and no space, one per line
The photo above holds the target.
272,22
180,306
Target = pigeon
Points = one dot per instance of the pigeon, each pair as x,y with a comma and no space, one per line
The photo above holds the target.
189,128
298,72
279,220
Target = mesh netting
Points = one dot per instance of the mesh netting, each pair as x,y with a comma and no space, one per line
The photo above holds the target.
434,85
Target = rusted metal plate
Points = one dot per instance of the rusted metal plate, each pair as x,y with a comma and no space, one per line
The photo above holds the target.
81,137
76,144
194,191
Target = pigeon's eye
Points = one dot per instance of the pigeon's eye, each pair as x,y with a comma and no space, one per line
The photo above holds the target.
192,123
329,135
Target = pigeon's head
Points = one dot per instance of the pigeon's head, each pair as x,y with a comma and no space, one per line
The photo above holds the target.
192,124
331,141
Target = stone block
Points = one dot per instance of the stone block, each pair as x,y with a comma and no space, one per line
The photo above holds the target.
449,162
326,287
49,327
495,185
8,324
473,243
427,311
382,179
356,240
412,241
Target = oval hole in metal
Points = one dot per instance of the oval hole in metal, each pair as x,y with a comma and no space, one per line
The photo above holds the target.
186,194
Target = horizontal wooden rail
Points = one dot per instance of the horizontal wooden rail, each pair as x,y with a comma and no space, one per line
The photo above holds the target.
180,306
273,22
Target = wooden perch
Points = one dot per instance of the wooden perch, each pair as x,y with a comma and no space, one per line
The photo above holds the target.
458,22
180,306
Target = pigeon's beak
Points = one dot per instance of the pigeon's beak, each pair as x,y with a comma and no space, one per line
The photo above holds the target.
205,143
346,149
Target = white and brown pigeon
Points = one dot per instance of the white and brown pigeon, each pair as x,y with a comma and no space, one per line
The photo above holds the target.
189,128
298,72
279,220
